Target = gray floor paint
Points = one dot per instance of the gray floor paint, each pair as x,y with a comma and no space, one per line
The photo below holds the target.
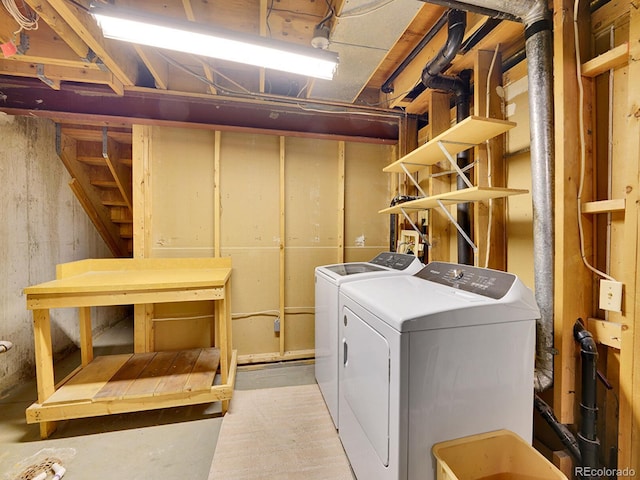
167,444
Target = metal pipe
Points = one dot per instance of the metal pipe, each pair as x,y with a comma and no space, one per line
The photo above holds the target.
536,17
540,75
587,436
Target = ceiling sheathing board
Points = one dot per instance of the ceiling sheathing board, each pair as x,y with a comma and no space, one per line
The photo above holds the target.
362,40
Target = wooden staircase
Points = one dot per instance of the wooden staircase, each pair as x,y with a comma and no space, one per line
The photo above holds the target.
99,161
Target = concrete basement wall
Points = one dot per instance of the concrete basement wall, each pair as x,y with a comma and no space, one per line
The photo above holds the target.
41,224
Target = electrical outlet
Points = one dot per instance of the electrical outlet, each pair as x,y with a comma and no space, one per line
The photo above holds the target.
611,295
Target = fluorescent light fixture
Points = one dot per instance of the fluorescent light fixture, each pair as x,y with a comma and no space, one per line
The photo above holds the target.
191,37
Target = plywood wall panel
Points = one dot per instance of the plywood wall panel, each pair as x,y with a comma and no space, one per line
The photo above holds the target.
311,190
182,195
366,191
518,164
249,188
300,294
191,168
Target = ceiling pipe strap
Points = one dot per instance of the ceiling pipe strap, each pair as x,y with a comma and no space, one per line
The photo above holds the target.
537,27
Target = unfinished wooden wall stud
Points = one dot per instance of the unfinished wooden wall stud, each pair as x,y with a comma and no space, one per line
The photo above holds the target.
278,206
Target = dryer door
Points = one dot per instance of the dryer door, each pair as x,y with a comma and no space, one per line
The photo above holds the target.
364,381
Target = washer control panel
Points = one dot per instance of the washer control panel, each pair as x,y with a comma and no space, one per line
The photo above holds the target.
396,261
482,281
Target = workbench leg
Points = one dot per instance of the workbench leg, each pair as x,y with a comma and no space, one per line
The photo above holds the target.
86,340
222,319
143,341
44,363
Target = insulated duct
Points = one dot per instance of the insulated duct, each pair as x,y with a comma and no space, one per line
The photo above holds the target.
539,50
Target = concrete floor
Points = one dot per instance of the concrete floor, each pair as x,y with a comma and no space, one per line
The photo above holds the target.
173,443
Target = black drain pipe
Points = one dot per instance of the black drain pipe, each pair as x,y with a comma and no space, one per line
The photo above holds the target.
387,87
460,87
561,430
587,436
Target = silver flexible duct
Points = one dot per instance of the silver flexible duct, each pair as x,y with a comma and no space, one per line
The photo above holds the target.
539,49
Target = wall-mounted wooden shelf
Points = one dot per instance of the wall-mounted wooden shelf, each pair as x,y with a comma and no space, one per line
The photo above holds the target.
616,57
473,194
466,134
604,206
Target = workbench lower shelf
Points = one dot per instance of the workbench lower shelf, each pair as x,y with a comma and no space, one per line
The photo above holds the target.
136,382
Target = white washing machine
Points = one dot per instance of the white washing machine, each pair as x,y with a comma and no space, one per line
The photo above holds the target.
328,280
439,355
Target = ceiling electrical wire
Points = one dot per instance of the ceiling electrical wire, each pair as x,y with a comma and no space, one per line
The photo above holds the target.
583,159
25,22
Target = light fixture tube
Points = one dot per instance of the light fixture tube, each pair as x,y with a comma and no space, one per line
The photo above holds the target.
191,37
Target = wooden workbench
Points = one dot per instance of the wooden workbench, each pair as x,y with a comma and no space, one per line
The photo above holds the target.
131,382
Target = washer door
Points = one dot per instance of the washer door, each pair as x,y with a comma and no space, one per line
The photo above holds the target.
364,383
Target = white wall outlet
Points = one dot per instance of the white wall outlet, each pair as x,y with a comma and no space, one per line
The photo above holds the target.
611,295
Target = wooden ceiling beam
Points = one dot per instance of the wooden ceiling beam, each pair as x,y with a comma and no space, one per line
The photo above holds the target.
156,65
116,59
55,73
208,73
61,28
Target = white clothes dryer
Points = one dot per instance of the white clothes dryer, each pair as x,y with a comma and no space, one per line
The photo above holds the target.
439,355
328,279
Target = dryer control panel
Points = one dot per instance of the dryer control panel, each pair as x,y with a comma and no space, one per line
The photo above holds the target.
396,261
482,281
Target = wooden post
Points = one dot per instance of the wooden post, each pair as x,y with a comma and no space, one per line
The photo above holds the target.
490,165
217,203
629,422
44,363
141,177
439,225
341,191
572,279
283,232
86,341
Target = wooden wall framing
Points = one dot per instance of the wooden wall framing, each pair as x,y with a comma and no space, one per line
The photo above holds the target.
610,213
278,206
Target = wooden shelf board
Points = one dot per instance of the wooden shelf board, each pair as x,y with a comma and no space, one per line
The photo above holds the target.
466,134
88,381
604,206
616,57
606,333
48,412
456,196
141,375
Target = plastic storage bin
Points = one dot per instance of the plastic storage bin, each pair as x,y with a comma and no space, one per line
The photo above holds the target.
499,455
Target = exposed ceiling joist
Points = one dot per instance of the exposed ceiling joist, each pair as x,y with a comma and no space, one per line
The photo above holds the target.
114,56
